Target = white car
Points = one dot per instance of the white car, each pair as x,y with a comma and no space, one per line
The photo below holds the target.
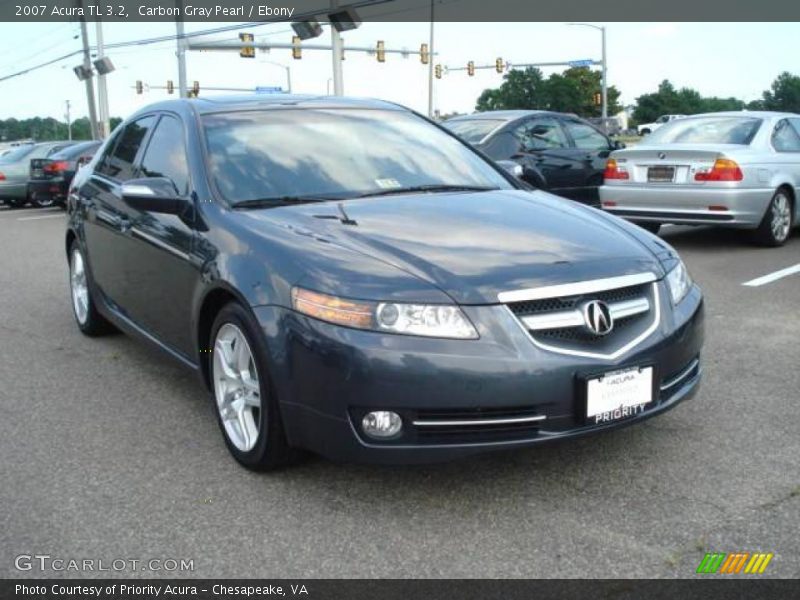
647,128
729,169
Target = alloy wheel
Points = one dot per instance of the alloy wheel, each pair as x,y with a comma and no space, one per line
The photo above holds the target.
79,287
781,217
236,387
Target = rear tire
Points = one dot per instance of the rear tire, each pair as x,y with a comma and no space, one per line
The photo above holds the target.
243,398
653,228
776,226
16,202
90,322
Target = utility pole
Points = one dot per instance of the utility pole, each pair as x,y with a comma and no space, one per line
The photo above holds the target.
69,122
604,84
336,51
181,52
102,91
87,65
430,66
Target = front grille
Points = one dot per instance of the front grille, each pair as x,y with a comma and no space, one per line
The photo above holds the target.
558,322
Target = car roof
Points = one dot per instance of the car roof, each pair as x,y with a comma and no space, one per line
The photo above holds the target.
506,115
215,104
760,114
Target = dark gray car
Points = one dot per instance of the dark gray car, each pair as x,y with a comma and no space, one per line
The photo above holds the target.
15,169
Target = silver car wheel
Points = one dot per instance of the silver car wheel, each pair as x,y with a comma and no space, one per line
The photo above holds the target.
781,217
236,387
79,287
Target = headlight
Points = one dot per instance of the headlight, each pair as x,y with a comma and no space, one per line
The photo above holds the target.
679,282
430,320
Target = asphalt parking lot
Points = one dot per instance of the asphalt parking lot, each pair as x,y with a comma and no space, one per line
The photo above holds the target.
111,451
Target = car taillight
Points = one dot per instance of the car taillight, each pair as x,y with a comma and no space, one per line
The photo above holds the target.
614,171
56,167
724,169
2,177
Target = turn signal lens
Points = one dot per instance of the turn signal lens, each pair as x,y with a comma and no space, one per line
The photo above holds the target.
724,169
333,309
614,171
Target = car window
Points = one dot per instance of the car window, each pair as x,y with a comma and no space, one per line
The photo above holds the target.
335,153
73,152
473,130
17,153
542,133
166,154
707,130
119,162
586,137
785,138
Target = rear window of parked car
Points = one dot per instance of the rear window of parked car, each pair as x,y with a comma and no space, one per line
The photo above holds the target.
707,130
473,130
17,153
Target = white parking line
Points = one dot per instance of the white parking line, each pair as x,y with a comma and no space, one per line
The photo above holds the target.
40,217
773,276
12,211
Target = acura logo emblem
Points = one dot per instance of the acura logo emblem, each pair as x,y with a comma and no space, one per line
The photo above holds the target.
662,155
597,317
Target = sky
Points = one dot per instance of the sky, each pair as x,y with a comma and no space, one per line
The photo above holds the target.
719,59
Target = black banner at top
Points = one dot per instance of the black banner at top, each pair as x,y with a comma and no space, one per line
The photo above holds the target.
398,10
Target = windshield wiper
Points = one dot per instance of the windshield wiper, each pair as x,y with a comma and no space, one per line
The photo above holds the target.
429,188
278,201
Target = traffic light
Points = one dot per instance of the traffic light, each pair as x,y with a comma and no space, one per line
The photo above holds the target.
139,86
170,87
297,51
498,65
598,98
247,52
196,89
246,37
470,68
438,71
380,51
424,54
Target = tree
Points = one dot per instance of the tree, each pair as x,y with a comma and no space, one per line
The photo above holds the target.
572,91
685,101
43,130
784,95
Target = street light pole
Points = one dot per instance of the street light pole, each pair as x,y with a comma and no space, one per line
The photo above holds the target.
102,90
430,66
604,81
87,66
285,68
336,52
183,86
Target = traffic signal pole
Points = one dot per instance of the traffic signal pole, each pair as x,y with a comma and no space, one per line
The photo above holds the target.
430,66
180,41
336,54
87,65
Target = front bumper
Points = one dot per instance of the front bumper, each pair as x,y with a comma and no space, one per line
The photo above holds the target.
686,205
327,377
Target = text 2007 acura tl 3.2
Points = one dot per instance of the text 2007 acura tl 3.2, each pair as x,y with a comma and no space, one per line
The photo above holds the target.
351,279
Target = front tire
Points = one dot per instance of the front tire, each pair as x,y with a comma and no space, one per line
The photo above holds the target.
776,226
90,322
244,401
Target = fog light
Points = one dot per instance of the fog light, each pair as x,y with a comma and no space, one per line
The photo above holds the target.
382,424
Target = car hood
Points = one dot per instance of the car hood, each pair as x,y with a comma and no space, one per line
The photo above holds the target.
473,246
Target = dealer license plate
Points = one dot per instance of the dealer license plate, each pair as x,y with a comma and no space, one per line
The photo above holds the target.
618,394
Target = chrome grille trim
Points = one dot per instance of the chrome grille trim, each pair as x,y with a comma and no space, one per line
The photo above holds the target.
576,288
680,377
574,318
467,422
605,356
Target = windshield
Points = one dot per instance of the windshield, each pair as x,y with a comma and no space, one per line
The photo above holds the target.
707,130
473,130
17,153
335,153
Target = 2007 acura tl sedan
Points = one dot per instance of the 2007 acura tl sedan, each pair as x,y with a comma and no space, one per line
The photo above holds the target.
351,279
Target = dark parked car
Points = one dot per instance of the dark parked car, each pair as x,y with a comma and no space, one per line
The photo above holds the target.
15,167
560,153
348,278
50,177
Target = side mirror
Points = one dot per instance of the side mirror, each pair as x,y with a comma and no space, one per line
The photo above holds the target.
154,194
514,169
617,145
